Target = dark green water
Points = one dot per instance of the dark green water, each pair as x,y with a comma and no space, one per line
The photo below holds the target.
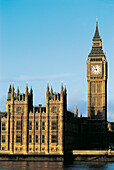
24,165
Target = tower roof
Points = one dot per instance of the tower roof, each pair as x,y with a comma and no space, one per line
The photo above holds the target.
97,44
96,35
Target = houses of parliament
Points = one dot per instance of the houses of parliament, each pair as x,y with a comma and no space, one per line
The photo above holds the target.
25,129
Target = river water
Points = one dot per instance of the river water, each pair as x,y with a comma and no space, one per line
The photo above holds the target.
24,165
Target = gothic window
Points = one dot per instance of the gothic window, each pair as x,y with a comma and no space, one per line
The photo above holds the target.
18,109
54,109
43,125
99,101
30,125
8,107
30,138
94,86
43,139
36,138
3,148
98,87
18,125
54,139
18,138
3,138
37,125
93,101
54,125
3,126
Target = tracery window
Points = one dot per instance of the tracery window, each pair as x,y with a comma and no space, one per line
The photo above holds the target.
3,138
43,139
43,125
54,125
36,138
18,125
3,126
54,109
18,138
18,109
54,139
36,125
30,138
30,125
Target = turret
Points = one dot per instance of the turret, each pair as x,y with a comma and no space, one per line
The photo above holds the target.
17,90
12,94
62,87
51,90
10,89
31,91
26,93
76,112
54,96
26,89
47,89
9,93
65,90
97,42
61,93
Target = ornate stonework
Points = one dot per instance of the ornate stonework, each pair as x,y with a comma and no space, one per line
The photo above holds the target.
97,80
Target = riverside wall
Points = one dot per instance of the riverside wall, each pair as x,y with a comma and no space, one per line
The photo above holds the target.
75,155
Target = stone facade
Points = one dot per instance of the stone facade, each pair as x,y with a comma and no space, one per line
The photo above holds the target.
27,129
97,80
49,130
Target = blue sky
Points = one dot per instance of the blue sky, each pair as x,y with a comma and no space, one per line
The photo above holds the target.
49,41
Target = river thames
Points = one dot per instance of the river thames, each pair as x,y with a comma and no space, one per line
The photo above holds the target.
25,165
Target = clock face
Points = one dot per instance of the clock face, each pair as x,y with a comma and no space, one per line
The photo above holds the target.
96,69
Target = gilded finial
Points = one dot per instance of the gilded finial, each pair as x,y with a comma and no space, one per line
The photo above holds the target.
61,86
27,86
18,89
65,85
13,85
96,18
48,83
51,90
27,83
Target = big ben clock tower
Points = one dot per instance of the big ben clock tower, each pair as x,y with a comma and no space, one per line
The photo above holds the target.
97,80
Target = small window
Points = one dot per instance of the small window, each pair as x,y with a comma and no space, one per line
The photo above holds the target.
18,125
54,139
18,138
3,126
30,125
3,148
43,139
43,125
36,125
3,138
54,125
30,138
9,108
36,138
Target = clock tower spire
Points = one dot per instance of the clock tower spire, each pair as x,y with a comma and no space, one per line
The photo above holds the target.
97,79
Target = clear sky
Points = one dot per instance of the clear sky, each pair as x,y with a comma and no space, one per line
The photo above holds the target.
49,40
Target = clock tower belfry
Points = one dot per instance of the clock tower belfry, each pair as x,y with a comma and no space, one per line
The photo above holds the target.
97,80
